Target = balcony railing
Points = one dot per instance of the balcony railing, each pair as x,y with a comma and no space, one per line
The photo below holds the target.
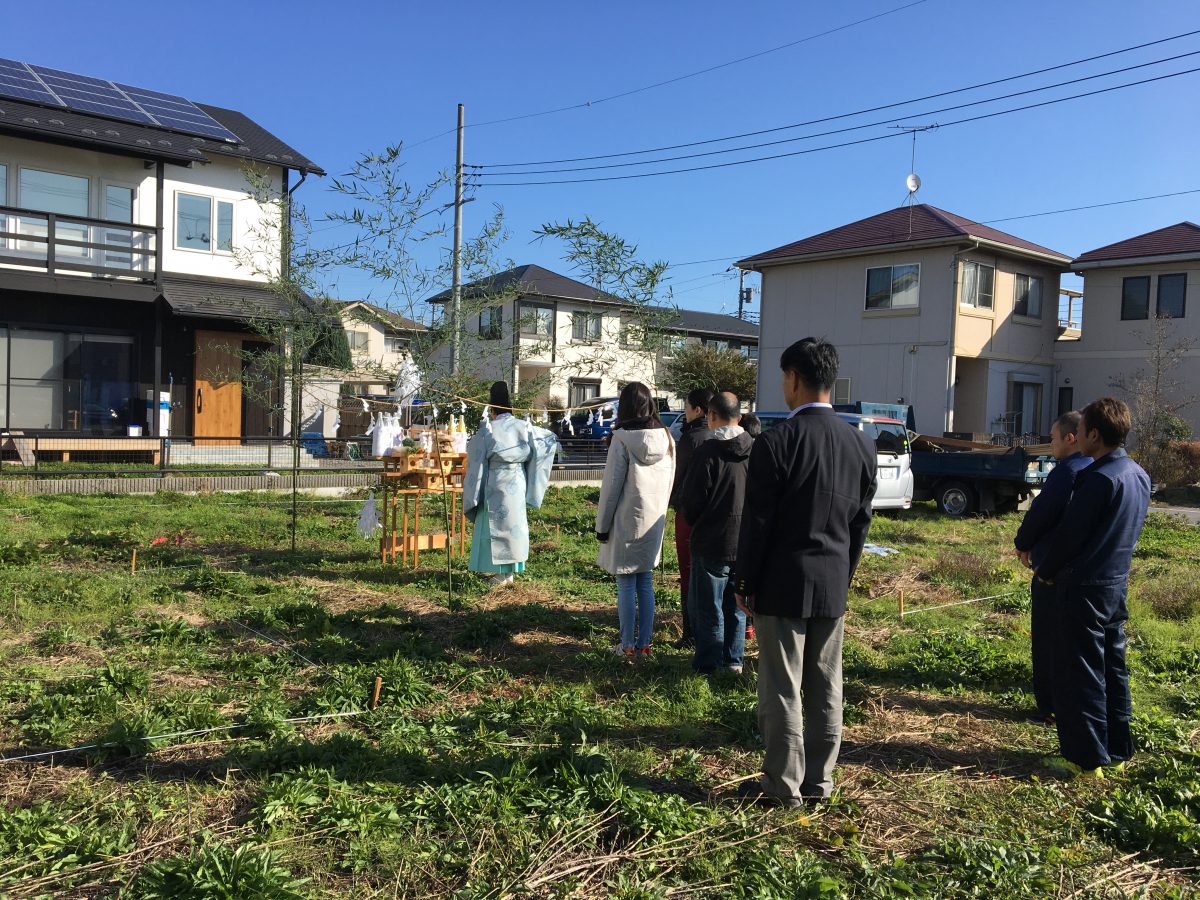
59,244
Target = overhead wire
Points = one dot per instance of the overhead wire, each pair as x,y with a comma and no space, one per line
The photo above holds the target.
848,128
848,115
866,140
588,104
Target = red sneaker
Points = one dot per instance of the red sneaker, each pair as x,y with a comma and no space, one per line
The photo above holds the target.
749,632
644,651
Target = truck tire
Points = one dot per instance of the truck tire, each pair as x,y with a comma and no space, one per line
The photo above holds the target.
955,498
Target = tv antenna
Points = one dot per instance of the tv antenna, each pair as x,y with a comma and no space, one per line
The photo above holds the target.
913,182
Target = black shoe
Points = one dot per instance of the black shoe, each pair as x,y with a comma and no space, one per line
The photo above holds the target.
683,644
752,792
1041,718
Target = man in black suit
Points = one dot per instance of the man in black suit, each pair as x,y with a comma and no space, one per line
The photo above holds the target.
805,520
695,432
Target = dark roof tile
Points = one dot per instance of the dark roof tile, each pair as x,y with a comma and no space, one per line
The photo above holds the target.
532,280
695,321
904,225
1182,238
29,120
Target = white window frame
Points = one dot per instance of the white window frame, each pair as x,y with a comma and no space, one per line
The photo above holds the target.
891,281
393,343
1016,293
366,340
212,224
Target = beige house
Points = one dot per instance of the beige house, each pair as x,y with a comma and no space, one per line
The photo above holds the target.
379,342
1127,285
926,308
575,342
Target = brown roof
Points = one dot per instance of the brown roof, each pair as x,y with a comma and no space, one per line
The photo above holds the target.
386,317
1169,241
921,222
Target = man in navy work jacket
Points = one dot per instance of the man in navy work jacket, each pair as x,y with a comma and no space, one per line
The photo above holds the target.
1033,539
804,520
1089,561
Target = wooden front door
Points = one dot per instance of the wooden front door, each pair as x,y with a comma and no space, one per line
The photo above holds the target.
217,396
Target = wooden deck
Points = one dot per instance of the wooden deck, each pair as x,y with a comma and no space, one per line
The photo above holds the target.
27,448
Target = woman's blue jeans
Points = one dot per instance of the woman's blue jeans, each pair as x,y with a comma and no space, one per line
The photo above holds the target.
635,608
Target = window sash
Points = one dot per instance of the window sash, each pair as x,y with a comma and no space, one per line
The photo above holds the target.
977,285
583,391
491,323
193,222
1135,298
1028,296
224,226
841,390
358,340
585,327
54,192
536,321
894,287
1172,296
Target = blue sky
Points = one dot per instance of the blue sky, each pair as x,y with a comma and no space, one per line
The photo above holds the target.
337,80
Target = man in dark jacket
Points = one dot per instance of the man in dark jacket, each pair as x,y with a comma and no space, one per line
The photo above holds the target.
805,519
695,432
1088,561
1033,541
711,503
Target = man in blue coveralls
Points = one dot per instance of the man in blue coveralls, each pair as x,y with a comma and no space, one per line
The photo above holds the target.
1033,543
1089,561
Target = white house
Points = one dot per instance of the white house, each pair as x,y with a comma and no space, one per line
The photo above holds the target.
380,342
1127,285
925,307
574,341
133,255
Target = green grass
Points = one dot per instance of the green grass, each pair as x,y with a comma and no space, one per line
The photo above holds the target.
510,754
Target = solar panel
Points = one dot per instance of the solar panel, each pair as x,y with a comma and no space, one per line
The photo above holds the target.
54,87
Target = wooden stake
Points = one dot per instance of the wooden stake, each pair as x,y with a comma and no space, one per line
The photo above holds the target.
133,563
901,606
375,693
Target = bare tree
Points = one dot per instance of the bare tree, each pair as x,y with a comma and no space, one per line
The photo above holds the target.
1158,396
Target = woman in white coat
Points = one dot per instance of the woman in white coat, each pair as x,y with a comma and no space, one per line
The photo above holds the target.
632,517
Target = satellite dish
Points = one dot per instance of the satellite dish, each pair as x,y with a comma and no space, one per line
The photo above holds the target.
914,183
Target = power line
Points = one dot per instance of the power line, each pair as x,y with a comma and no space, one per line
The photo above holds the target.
868,140
588,104
994,221
983,84
849,128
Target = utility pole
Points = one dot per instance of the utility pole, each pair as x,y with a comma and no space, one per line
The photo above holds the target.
456,278
741,293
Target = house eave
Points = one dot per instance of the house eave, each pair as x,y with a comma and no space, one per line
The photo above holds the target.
1158,259
750,265
98,146
964,241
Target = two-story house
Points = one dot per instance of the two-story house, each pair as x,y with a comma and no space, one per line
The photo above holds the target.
380,346
925,307
134,253
575,342
1127,285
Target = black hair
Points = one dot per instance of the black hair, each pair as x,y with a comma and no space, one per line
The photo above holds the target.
499,399
814,361
636,403
1110,417
725,407
699,398
751,425
1069,422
